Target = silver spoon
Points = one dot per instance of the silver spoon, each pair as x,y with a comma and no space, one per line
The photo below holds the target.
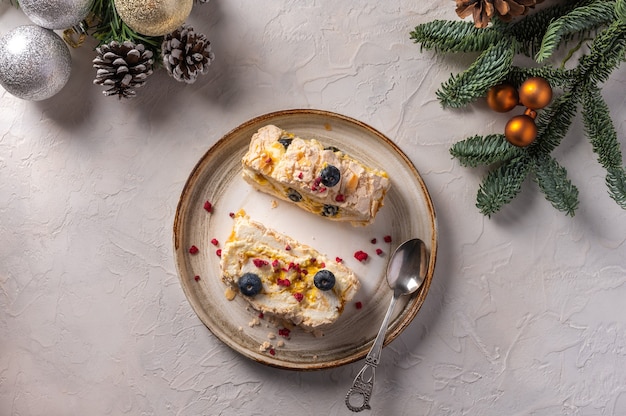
405,274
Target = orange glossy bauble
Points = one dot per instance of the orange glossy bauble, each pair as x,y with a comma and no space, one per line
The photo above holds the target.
535,93
502,98
521,130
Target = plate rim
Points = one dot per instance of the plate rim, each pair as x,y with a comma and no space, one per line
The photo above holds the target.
415,301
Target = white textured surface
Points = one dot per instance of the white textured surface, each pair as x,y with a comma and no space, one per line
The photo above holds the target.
525,315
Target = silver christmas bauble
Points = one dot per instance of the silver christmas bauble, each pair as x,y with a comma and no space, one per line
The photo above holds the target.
35,63
56,14
155,17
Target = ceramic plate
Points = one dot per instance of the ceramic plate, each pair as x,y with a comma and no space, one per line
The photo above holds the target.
407,213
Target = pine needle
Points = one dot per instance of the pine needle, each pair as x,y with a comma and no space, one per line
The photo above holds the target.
616,182
580,20
478,150
552,180
490,68
453,36
501,185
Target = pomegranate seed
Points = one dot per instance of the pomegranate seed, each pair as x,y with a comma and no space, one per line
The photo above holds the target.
275,263
379,251
287,247
260,315
218,252
361,256
284,332
300,175
358,305
193,250
373,241
387,239
322,265
340,198
298,296
208,206
260,262
196,278
338,259
214,241
283,282
231,214
272,351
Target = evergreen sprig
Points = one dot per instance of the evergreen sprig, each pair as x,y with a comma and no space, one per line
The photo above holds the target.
489,69
601,26
582,20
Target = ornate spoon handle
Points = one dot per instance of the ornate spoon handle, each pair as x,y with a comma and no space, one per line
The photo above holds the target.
358,396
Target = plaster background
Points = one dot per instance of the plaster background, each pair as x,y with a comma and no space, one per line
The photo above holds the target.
525,313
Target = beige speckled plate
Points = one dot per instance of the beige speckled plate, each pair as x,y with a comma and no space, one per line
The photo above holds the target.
408,212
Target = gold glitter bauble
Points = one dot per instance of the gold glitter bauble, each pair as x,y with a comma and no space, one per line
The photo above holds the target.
154,17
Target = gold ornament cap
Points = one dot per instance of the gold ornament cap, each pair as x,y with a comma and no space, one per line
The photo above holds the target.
153,17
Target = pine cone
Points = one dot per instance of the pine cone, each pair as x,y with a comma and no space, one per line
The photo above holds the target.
482,11
186,54
122,67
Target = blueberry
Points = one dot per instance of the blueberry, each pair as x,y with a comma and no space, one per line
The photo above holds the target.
285,141
294,195
249,284
329,210
324,280
330,175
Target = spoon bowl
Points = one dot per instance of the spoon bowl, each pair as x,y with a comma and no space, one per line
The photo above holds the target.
406,272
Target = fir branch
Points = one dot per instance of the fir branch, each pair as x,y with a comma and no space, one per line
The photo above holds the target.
490,68
479,150
580,20
556,77
529,31
552,179
553,123
600,130
502,184
606,53
616,182
620,10
453,36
